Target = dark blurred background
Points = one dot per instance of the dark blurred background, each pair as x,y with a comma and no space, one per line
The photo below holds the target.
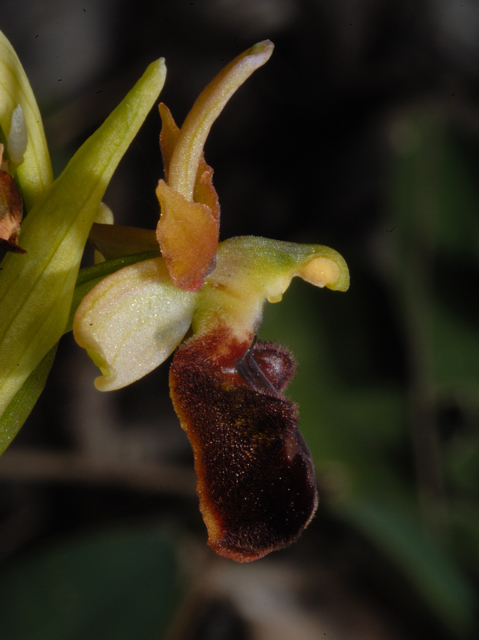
362,133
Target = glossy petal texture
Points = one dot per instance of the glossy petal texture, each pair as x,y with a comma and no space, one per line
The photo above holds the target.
35,173
36,290
256,481
132,321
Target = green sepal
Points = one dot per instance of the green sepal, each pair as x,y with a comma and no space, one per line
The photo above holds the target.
26,397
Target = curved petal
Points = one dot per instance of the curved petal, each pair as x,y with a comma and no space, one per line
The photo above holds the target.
189,203
35,173
184,162
132,321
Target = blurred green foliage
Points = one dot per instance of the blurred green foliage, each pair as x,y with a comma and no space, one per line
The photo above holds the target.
397,451
118,584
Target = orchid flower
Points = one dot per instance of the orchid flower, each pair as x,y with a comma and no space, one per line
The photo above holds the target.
36,286
256,483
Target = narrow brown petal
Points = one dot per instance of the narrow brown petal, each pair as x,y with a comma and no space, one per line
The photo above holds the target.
168,136
116,241
182,223
188,231
205,193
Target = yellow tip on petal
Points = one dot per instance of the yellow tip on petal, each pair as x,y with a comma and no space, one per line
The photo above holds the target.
325,272
250,270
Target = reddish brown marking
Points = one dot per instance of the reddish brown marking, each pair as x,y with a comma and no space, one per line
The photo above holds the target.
256,479
11,211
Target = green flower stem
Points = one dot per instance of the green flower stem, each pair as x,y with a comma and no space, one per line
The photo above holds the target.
36,290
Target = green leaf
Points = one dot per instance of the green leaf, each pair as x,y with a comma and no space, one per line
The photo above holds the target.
24,400
26,397
36,291
434,575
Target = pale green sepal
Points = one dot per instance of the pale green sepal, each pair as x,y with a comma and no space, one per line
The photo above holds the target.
250,270
36,291
132,321
35,173
26,397
89,277
24,400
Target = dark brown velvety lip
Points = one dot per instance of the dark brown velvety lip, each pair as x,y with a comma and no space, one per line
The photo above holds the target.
256,480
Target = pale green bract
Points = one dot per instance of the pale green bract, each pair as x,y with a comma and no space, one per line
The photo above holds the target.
132,321
36,289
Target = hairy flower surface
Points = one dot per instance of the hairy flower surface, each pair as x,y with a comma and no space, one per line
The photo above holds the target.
256,481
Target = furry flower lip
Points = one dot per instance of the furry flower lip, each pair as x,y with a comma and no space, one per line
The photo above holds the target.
256,481
255,473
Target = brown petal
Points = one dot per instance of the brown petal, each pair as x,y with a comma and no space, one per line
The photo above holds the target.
256,481
168,136
116,241
204,191
188,236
